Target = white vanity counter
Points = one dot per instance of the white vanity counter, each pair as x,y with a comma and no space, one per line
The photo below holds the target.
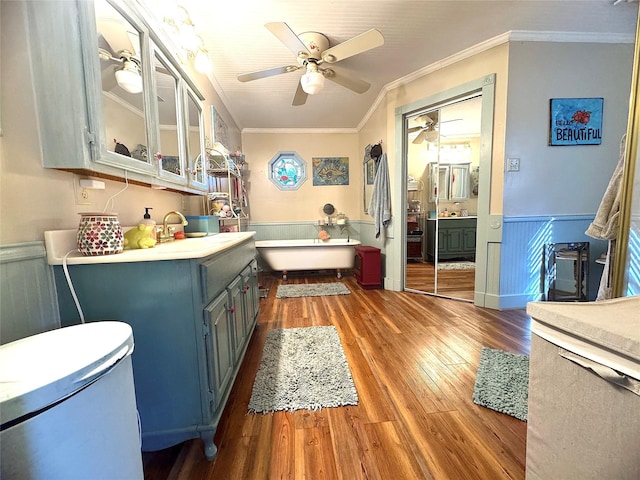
60,242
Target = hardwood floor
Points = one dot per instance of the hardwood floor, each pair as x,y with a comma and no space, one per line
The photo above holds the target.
451,283
413,359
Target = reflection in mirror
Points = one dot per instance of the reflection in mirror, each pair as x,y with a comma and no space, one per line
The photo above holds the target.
459,183
167,101
195,128
443,147
122,99
439,181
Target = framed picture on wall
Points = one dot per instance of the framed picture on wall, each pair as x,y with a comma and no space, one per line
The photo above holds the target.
219,130
575,121
330,170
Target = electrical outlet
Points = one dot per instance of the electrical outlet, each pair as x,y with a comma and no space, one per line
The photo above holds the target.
82,195
513,164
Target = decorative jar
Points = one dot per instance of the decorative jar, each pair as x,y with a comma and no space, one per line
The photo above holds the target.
100,234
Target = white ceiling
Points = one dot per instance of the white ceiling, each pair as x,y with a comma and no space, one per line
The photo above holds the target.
417,33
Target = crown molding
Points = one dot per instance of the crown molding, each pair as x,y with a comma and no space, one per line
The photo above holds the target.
510,36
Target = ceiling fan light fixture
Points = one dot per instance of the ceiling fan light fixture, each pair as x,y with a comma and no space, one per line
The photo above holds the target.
129,77
312,82
432,136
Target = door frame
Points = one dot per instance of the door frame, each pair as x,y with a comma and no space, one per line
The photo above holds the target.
486,87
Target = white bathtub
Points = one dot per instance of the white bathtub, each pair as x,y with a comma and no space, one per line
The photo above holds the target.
308,254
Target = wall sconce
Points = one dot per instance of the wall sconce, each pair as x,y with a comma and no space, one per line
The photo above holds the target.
186,38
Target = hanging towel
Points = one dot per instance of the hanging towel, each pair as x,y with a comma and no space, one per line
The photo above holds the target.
605,223
380,203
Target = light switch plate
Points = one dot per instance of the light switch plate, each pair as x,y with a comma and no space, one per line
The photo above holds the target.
513,164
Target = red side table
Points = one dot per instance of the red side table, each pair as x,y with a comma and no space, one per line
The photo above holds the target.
367,267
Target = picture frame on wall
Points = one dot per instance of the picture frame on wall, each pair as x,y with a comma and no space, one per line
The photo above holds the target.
330,171
219,130
575,121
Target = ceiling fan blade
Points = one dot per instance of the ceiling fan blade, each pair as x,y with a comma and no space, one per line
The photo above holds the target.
426,119
300,98
287,36
358,44
420,137
414,129
352,83
118,36
269,72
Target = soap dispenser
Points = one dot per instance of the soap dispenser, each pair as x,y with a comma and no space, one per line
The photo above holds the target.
151,224
143,234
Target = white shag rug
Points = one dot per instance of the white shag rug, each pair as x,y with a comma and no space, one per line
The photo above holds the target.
462,265
302,369
311,290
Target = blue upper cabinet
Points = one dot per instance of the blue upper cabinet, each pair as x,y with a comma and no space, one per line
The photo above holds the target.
113,99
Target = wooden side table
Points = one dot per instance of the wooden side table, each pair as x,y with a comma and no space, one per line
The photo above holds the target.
367,267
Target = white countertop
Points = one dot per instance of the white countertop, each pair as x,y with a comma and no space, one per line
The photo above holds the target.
60,242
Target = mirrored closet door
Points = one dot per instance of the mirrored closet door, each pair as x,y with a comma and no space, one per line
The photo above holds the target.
442,165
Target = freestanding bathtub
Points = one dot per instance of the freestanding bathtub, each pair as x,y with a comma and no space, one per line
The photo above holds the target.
308,254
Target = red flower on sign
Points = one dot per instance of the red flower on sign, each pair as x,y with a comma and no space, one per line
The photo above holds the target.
581,116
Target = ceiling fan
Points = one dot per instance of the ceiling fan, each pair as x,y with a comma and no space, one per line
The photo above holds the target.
120,59
312,50
429,131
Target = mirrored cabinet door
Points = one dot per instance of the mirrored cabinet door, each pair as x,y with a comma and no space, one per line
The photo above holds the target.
123,115
439,182
169,142
195,139
459,183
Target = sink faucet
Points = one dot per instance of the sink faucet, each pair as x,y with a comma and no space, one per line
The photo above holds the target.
166,235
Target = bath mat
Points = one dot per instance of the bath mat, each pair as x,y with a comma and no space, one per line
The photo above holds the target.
302,369
502,382
465,265
312,290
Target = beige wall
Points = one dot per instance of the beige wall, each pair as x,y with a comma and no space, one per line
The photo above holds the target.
34,199
491,61
269,204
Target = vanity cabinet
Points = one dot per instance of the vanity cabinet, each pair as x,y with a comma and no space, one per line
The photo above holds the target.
456,238
149,131
192,320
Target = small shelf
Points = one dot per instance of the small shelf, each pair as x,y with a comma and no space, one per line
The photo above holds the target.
221,166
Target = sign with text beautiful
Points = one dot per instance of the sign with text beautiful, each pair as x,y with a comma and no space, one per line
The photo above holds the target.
575,121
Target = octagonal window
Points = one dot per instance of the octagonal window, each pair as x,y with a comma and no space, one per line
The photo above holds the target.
287,170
